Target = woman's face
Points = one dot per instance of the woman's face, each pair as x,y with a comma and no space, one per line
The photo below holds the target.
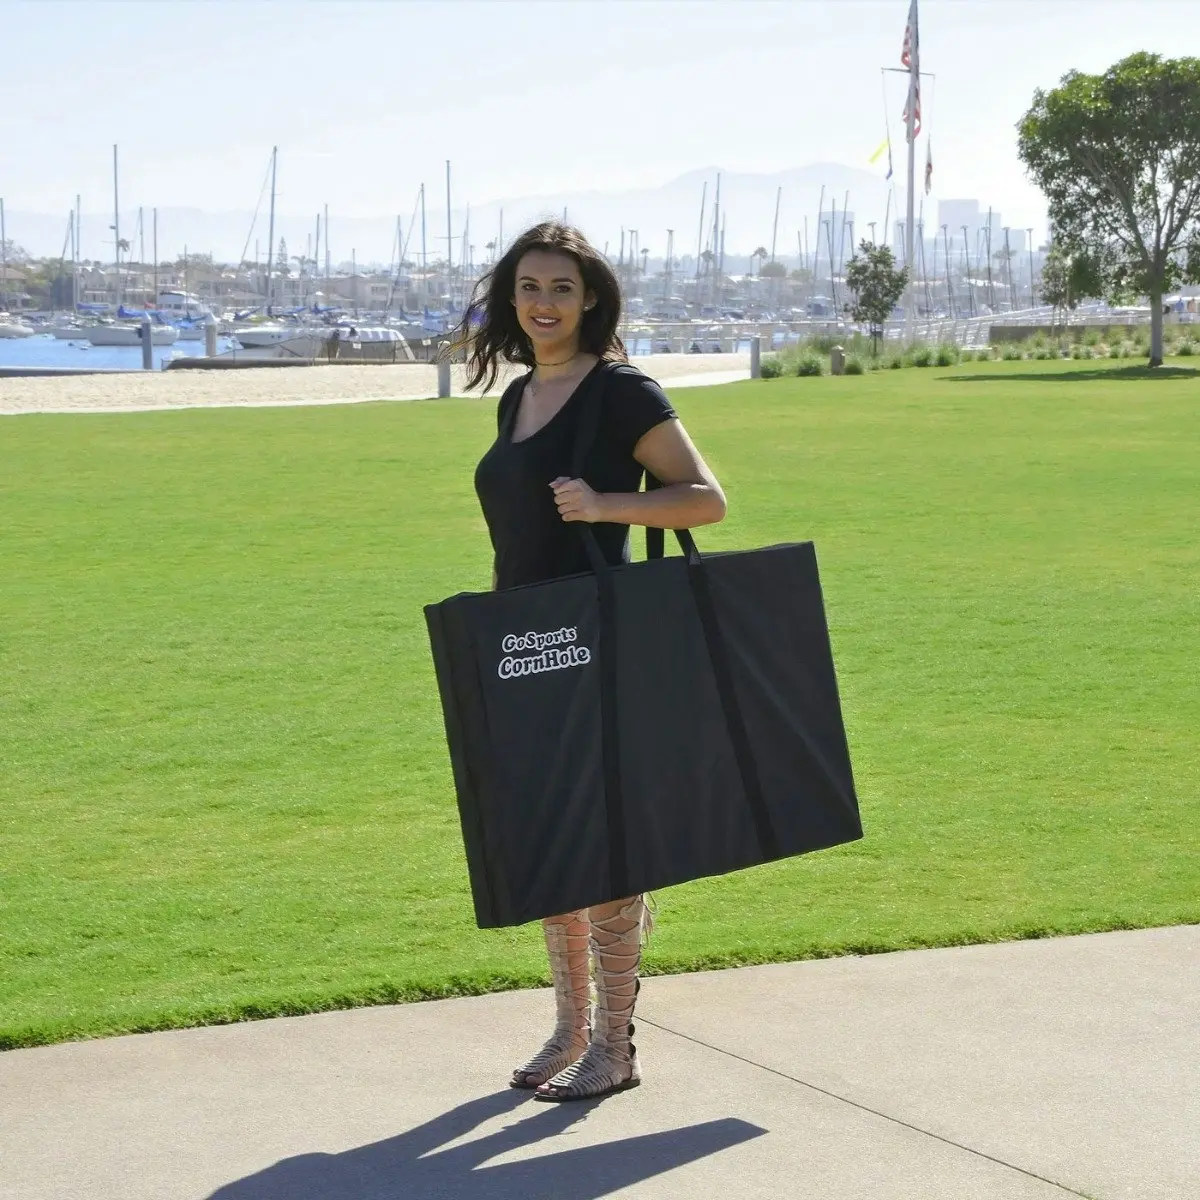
550,301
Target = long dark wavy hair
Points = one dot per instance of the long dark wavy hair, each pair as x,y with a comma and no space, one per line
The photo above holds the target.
490,331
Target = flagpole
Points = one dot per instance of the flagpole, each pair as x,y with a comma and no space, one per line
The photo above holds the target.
914,68
911,59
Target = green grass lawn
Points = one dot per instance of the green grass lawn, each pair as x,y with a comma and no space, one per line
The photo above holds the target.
224,788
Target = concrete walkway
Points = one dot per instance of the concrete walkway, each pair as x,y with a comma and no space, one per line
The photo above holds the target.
1024,1071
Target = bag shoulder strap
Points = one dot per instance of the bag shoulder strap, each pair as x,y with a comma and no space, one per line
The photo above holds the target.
591,408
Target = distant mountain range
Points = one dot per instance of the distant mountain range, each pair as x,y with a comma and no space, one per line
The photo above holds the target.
747,202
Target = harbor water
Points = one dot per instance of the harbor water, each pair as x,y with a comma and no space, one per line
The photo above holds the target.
42,350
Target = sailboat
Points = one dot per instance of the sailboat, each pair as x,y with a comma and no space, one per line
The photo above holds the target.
128,331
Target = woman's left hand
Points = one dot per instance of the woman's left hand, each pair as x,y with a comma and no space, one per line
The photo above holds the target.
576,501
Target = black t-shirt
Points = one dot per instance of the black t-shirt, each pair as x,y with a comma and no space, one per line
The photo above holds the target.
532,542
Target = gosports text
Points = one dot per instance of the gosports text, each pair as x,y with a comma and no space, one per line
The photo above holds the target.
556,651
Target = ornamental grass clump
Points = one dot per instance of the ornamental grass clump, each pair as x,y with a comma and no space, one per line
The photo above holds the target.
855,366
809,364
921,356
771,367
946,355
1011,352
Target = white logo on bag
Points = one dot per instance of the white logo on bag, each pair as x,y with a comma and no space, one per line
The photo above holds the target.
555,651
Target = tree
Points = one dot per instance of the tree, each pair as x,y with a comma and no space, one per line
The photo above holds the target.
1118,158
877,286
761,254
773,270
14,255
1067,278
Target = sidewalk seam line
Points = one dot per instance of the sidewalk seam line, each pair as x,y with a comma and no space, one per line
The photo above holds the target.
867,1109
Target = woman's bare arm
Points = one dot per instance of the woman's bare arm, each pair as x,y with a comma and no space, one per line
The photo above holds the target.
690,494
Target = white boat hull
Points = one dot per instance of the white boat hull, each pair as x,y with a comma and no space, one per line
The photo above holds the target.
130,335
12,329
313,336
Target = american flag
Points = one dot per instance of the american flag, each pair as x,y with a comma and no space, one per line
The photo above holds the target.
910,56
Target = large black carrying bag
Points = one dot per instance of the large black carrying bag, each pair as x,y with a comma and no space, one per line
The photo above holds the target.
640,725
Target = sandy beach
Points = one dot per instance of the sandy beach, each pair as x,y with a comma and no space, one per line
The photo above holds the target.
155,390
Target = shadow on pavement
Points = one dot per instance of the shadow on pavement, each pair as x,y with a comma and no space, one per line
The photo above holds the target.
406,1167
1082,375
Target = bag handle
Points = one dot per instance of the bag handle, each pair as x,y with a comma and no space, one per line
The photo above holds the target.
585,437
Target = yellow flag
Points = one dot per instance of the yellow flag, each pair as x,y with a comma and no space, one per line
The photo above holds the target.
878,153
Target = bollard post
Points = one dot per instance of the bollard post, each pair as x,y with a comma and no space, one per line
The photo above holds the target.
147,345
210,335
837,361
443,377
756,358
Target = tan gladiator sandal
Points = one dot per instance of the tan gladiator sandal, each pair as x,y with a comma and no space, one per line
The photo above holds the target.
610,1062
573,1024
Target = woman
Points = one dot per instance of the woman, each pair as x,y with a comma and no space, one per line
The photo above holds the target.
552,303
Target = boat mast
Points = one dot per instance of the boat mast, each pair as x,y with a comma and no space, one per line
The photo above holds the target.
270,229
775,226
3,259
700,237
78,248
449,239
424,255
327,252
154,251
74,255
716,239
316,258
966,264
117,230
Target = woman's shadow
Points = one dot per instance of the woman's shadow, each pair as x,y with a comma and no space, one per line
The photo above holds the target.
410,1167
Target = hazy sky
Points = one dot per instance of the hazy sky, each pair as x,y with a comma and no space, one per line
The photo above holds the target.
366,100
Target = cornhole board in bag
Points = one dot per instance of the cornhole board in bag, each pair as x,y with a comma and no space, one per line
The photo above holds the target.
641,725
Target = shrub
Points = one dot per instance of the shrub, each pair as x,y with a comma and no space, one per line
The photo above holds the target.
946,355
1085,351
1126,350
855,366
771,366
921,356
809,364
1011,352
1114,351
895,362
1091,337
1185,349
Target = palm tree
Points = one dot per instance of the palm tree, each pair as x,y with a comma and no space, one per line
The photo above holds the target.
761,255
